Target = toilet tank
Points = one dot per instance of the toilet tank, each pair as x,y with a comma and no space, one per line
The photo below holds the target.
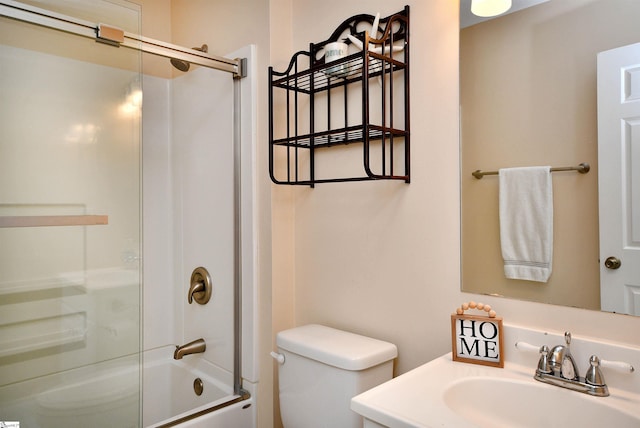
323,369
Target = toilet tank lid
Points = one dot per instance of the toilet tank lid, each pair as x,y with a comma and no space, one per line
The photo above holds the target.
337,348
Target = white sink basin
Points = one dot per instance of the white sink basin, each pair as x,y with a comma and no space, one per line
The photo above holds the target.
444,393
496,402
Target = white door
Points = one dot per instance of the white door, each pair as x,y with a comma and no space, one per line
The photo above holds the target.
619,178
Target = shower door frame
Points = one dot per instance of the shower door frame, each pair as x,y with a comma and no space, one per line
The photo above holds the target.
237,67
102,33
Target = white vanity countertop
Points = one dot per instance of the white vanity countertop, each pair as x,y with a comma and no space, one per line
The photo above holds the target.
414,399
419,397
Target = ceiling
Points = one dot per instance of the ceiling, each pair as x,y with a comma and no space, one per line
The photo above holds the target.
467,18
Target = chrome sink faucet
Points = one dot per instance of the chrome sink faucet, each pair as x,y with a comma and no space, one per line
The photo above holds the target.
195,347
561,361
557,367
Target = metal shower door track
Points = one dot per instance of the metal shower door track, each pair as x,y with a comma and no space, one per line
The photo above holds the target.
27,13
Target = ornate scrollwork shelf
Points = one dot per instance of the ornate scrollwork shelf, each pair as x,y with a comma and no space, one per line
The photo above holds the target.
362,98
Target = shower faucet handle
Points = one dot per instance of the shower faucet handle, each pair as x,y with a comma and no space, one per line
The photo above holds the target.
196,287
200,286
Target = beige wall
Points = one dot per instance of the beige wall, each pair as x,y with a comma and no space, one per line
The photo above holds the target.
375,257
382,259
156,24
59,43
283,232
528,91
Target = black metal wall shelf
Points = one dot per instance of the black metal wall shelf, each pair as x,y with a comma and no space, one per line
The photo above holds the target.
366,101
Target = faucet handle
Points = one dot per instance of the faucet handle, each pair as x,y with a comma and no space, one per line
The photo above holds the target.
594,374
617,365
543,362
200,286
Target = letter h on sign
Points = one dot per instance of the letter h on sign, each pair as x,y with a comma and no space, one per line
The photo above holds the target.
477,340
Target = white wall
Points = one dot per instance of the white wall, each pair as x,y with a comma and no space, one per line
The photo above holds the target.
159,304
188,211
202,166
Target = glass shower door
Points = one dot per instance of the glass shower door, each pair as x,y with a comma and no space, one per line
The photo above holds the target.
70,139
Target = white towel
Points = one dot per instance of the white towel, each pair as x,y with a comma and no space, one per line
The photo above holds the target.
526,222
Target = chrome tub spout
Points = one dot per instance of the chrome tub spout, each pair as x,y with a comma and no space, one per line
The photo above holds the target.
195,347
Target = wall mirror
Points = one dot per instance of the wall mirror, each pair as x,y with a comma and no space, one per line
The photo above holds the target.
528,97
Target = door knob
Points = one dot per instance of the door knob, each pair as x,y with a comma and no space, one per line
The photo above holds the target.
200,286
612,263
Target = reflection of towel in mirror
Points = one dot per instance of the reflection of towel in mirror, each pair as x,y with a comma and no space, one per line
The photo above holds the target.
526,222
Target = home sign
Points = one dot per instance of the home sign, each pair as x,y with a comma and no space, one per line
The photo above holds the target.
477,339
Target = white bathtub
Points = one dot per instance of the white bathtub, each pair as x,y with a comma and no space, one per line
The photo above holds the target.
168,394
238,415
108,394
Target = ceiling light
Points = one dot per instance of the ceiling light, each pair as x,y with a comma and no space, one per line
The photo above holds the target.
487,8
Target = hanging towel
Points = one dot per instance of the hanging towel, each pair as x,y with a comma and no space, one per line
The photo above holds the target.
526,222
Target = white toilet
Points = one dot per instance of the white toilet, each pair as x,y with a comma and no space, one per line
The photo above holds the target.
322,368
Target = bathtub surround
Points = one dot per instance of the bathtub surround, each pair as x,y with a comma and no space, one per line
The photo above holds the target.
189,192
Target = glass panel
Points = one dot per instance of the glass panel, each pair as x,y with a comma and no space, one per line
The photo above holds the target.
70,202
188,171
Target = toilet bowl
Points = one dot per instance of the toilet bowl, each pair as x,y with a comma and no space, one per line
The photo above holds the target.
322,368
